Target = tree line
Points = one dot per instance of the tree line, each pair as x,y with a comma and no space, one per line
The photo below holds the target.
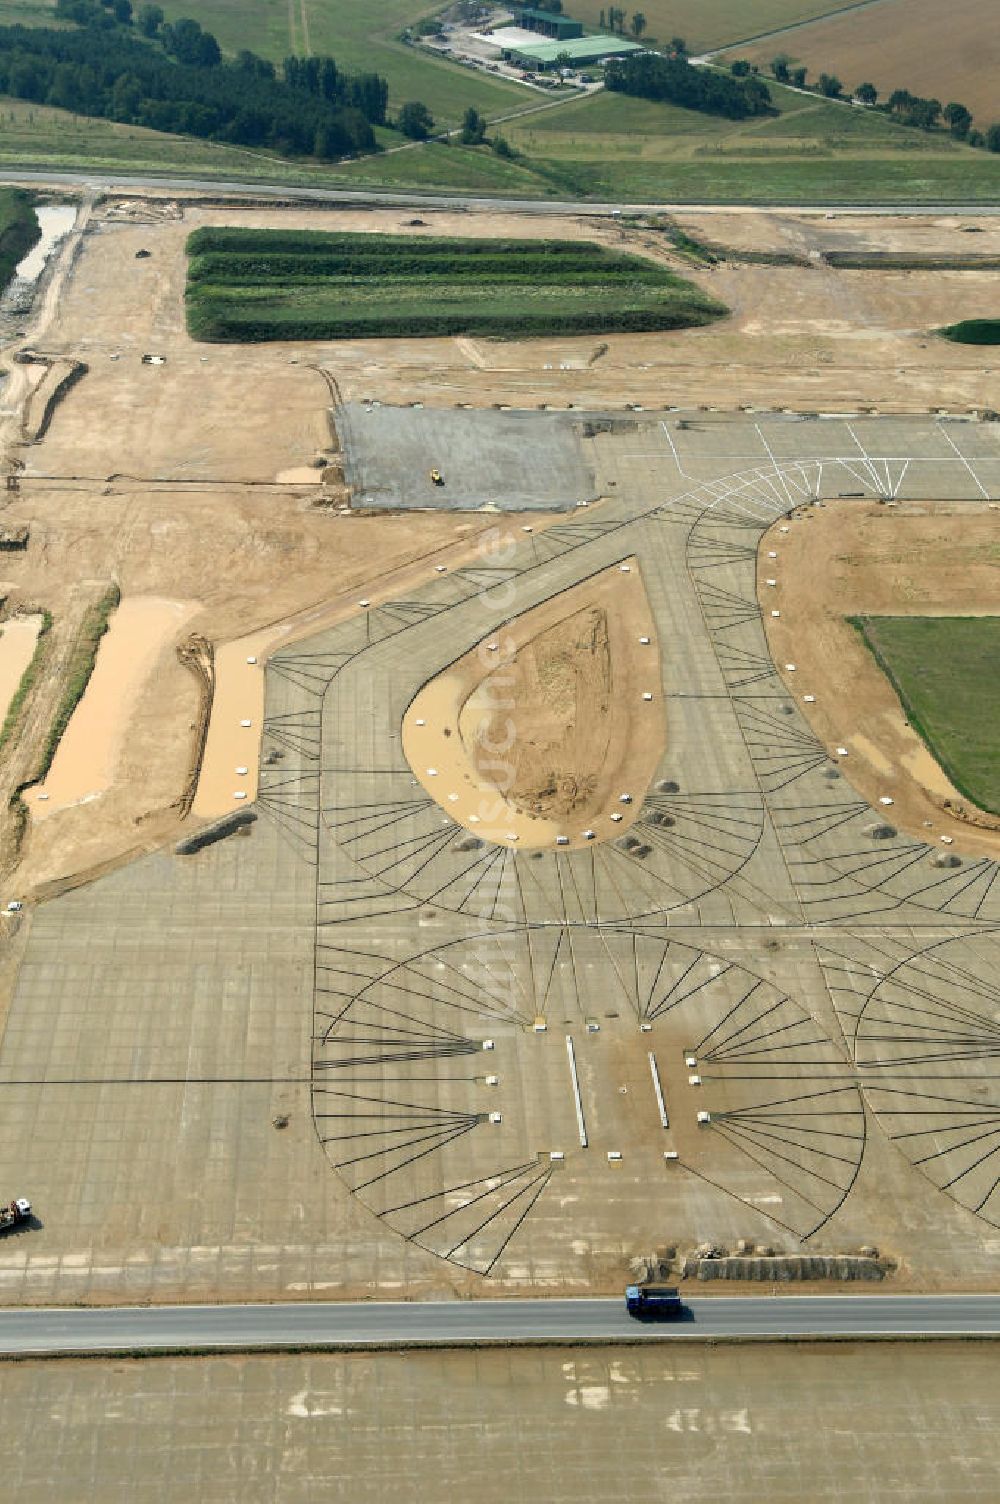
676,81
181,83
902,106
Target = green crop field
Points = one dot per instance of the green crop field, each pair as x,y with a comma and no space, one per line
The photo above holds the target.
252,285
946,671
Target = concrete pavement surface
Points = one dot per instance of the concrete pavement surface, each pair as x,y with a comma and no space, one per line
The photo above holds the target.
403,1324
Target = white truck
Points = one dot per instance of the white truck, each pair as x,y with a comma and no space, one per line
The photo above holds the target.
14,1215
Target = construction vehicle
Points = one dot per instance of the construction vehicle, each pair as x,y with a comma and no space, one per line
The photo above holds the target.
653,1302
437,478
12,1216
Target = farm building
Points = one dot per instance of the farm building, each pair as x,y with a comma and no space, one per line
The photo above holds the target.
549,24
581,51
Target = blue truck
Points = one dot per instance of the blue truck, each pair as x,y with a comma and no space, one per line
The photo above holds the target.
653,1302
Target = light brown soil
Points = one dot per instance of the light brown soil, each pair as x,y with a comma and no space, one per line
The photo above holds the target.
936,51
17,645
154,476
140,634
538,730
853,557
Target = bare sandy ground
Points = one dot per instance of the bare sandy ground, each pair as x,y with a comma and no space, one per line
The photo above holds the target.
537,732
17,645
854,557
195,479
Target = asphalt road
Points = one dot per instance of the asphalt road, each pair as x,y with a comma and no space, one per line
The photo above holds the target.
418,1323
95,182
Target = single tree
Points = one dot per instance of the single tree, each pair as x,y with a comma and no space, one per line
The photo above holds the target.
899,100
797,77
830,85
959,120
473,128
866,94
415,120
601,22
678,46
150,19
740,68
779,67
123,12
638,24
993,138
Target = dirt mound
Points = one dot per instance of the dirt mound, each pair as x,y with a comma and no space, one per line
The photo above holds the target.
560,684
559,718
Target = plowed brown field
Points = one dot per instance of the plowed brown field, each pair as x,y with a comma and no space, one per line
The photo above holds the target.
938,51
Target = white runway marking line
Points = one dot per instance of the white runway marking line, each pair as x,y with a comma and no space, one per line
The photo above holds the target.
945,434
774,462
658,1089
866,461
673,451
580,1123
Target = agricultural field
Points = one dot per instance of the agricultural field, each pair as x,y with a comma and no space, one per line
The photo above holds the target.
945,671
253,285
33,135
609,145
716,23
359,37
940,52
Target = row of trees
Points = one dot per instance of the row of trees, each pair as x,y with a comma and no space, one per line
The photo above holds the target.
674,80
614,20
115,76
901,105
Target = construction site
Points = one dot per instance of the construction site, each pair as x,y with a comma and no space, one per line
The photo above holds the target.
510,884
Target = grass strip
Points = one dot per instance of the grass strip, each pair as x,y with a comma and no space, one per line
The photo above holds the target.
946,672
78,672
28,681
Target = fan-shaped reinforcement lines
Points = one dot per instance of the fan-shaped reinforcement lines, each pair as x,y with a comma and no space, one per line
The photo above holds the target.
437,1099
927,1046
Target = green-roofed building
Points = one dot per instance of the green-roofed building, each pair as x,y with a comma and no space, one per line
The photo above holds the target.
536,57
549,23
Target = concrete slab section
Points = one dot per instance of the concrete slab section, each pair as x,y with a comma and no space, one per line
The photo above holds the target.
511,461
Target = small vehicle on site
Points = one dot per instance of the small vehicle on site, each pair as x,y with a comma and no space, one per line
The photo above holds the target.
437,477
14,1215
654,1303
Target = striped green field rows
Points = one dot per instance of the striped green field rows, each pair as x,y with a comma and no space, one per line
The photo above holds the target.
253,285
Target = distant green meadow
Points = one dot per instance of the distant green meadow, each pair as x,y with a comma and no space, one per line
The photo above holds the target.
256,285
